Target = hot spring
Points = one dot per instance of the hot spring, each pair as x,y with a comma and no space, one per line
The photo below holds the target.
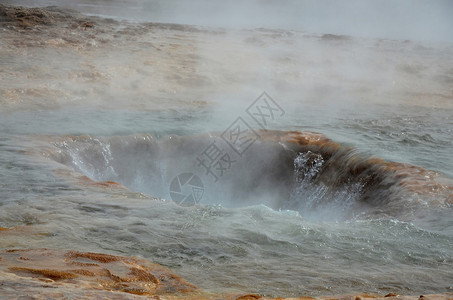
137,138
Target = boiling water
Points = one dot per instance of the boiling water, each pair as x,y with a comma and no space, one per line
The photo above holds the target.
385,98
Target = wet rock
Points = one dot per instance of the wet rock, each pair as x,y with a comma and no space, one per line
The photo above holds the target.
379,179
56,274
249,297
60,269
24,17
391,295
335,37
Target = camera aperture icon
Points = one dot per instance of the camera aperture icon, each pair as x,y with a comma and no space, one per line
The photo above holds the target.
186,189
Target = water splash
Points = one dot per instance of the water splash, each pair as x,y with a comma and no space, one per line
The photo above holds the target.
304,172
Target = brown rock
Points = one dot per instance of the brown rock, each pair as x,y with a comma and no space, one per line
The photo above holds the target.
55,274
249,297
94,271
25,17
391,295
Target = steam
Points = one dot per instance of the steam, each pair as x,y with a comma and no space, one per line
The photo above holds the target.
412,20
407,20
319,185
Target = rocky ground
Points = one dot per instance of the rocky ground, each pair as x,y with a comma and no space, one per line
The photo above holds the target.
58,274
53,57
